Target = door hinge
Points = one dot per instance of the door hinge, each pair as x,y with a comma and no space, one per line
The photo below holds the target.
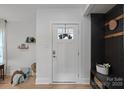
78,53
78,75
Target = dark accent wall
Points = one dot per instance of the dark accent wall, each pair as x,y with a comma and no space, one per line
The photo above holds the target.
110,50
114,47
97,39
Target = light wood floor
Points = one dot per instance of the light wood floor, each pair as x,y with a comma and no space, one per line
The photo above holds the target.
30,84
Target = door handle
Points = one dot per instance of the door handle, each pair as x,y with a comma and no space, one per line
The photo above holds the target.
54,56
54,52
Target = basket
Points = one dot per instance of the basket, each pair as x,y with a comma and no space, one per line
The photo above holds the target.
101,69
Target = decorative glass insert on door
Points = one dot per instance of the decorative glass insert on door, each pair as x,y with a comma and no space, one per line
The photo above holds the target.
65,33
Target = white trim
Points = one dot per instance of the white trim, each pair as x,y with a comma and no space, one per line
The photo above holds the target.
84,80
43,80
88,9
79,50
6,56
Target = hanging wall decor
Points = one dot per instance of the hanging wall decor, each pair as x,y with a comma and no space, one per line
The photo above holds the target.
30,40
113,23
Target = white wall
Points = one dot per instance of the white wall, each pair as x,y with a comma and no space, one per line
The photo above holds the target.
44,42
21,23
85,49
17,31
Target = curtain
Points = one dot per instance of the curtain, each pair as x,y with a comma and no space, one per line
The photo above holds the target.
3,42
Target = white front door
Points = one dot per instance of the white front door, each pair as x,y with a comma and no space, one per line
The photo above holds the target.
65,52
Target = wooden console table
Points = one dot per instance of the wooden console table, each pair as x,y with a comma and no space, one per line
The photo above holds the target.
2,71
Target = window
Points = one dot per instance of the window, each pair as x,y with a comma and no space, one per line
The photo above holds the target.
2,41
65,33
1,47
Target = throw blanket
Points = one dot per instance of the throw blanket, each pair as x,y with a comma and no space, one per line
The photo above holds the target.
15,75
20,76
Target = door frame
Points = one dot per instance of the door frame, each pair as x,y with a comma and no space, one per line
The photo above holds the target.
79,47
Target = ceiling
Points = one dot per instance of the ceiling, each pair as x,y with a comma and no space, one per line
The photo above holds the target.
19,12
24,12
34,6
101,8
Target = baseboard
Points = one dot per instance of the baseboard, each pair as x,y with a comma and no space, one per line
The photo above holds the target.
48,81
43,81
84,80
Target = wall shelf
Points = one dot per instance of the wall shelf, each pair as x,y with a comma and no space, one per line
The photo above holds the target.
117,34
23,46
116,19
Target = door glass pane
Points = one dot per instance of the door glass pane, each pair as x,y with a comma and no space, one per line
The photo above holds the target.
60,32
65,33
